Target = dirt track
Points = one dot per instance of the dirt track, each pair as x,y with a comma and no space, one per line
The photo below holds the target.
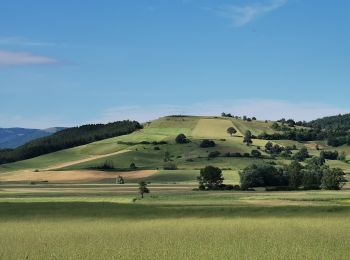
93,157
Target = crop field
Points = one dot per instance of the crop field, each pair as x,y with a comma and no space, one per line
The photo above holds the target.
172,222
212,128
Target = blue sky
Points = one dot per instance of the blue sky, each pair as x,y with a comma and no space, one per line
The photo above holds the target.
65,63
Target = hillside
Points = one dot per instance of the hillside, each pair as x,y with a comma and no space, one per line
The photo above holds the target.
14,137
67,138
158,158
332,122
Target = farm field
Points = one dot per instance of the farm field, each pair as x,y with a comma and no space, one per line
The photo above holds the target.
112,222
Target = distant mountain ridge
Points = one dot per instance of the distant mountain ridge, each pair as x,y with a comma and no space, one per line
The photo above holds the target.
16,136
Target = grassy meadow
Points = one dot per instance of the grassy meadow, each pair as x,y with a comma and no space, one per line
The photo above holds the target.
46,212
172,222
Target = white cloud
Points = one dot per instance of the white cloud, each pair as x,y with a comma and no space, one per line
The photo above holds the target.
261,108
20,41
241,15
10,58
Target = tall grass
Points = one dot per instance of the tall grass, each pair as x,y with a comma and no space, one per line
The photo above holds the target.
183,238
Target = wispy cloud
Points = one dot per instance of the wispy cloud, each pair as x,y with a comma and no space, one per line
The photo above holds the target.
10,58
20,41
261,108
240,15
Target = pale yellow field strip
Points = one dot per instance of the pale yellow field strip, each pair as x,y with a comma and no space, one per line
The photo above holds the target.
212,128
75,176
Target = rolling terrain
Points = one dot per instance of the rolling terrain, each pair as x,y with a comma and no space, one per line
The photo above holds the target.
148,147
66,205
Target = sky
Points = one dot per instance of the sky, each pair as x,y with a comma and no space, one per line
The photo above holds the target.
67,63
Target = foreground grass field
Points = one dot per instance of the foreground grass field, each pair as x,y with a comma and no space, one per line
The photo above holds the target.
64,206
173,222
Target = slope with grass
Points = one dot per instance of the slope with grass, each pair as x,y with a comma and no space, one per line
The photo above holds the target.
173,222
143,148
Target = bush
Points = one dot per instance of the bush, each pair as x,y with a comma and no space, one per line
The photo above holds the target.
256,154
107,165
133,166
301,155
207,143
214,154
329,155
170,166
120,180
181,139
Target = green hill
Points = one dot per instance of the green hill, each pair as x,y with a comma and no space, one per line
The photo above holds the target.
154,148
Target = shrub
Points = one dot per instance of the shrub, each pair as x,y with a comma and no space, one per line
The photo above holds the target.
207,143
329,155
170,166
133,166
120,180
107,165
301,155
181,139
256,153
214,154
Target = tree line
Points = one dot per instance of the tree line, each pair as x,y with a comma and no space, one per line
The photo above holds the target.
311,176
68,138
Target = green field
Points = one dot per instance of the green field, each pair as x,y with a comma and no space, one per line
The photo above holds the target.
187,157
172,222
48,213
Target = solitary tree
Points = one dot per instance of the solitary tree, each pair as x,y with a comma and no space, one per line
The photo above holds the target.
210,178
133,166
248,138
231,130
120,180
143,188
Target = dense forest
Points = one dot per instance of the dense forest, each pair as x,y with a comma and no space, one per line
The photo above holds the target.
68,138
334,129
332,122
